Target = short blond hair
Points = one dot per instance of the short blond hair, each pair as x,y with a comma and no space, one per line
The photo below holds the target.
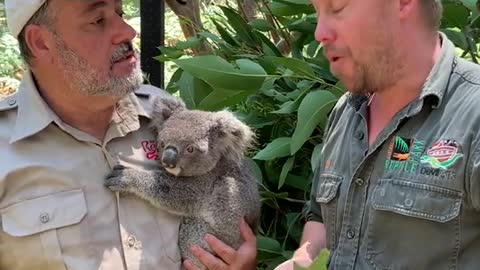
432,11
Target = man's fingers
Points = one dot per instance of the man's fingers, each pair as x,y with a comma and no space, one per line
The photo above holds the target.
225,252
207,259
189,265
247,232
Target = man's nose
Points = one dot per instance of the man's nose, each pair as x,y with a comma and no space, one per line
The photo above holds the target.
324,32
124,32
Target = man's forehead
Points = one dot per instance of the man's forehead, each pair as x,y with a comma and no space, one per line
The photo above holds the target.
89,5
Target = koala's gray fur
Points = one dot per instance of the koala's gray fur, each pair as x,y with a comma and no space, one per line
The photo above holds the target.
211,187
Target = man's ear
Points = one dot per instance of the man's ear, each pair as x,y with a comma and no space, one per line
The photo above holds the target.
406,7
39,40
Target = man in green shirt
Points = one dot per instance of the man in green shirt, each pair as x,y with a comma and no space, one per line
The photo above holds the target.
398,184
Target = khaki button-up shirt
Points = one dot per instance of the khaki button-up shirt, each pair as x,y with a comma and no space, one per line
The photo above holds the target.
55,213
411,200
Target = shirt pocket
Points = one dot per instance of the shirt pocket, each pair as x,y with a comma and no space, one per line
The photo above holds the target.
327,197
413,226
32,227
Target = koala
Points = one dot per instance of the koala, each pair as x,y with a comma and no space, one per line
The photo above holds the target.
202,175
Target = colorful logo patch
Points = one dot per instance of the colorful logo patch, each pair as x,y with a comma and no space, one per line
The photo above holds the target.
401,149
403,154
442,154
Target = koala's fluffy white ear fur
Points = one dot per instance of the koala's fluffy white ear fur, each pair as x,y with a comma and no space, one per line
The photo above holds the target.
163,108
237,137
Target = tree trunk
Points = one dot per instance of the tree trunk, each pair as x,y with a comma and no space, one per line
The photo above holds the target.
247,8
188,12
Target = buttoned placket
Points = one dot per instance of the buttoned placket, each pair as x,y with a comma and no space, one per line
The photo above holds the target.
120,127
358,186
348,241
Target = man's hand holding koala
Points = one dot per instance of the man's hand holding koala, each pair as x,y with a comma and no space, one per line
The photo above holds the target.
204,179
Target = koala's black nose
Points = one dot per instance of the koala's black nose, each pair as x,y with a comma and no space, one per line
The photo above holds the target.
170,157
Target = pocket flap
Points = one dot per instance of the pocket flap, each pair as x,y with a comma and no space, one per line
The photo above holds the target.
44,213
328,187
417,200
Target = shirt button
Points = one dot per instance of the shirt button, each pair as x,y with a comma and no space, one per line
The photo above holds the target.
359,135
44,217
350,234
408,203
131,241
359,182
12,102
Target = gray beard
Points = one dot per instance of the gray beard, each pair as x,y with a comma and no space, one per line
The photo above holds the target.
89,81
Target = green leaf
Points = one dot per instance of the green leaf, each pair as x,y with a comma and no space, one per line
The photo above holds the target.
297,66
261,25
268,47
313,111
320,263
172,86
190,43
224,34
214,38
171,52
192,90
457,37
218,73
299,182
316,156
456,15
298,2
269,245
471,5
220,98
289,9
285,170
292,105
256,121
279,147
241,27
255,169
312,48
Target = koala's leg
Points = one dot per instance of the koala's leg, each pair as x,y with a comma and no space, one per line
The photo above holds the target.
192,232
157,187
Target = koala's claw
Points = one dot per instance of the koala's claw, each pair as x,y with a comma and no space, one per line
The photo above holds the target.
117,180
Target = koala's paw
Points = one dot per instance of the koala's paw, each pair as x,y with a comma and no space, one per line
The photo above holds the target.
119,179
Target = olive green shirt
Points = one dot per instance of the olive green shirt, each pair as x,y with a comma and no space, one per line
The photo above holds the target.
412,199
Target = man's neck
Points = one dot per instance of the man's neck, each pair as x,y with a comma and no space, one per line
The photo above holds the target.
90,114
387,102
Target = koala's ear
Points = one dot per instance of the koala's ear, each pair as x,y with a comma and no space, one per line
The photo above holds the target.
164,107
234,135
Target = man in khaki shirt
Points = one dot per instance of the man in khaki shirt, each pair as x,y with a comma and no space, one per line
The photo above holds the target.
79,111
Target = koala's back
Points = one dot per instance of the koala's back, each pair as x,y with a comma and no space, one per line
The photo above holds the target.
235,195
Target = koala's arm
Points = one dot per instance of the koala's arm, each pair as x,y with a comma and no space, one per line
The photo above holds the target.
174,195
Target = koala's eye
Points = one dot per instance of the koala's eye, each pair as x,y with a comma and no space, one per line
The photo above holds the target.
162,144
190,149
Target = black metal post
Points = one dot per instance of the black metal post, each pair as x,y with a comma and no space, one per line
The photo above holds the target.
152,14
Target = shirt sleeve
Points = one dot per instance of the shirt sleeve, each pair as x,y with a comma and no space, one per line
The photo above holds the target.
312,208
473,179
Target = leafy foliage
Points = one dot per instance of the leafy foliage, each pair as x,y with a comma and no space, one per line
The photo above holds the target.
286,100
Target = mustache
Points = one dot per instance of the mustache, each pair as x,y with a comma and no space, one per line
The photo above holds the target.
335,50
125,49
